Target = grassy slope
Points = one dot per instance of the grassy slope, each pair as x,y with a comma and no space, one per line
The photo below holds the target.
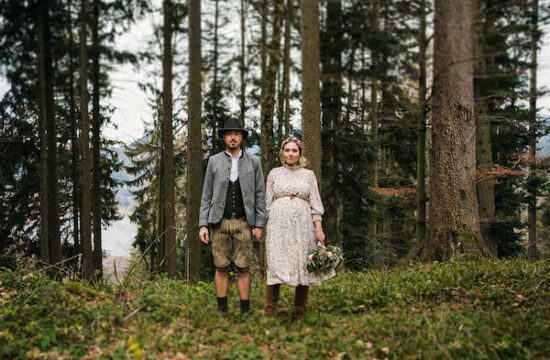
456,310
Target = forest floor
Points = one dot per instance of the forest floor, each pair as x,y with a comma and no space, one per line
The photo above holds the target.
456,310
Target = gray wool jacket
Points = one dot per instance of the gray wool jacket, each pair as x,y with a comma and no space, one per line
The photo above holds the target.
214,189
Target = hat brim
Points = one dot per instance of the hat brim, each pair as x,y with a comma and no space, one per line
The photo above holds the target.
243,131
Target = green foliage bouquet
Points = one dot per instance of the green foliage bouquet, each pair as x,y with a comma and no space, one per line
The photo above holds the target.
324,258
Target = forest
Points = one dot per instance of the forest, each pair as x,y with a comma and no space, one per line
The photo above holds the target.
419,119
387,96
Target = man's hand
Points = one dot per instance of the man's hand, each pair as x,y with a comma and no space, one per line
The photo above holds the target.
257,233
203,234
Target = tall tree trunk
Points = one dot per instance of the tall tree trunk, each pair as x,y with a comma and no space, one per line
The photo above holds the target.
286,66
311,124
532,197
268,100
161,216
87,270
453,225
363,90
331,102
243,64
74,143
194,140
97,257
280,108
54,239
484,152
169,181
349,103
375,56
42,12
263,52
217,121
421,142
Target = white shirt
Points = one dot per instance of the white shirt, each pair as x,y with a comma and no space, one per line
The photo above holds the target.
234,166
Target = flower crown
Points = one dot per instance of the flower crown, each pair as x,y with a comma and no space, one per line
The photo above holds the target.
294,140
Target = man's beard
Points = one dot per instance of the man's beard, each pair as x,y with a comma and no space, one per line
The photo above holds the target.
233,147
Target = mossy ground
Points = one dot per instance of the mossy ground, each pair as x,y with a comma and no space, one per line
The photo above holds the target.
456,310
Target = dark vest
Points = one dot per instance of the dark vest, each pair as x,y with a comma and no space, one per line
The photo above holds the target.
234,201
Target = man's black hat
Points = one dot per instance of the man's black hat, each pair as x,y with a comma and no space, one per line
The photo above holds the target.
232,124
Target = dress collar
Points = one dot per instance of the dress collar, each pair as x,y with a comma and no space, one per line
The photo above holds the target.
296,167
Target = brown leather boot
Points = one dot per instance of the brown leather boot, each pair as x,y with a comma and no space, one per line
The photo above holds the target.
271,299
300,301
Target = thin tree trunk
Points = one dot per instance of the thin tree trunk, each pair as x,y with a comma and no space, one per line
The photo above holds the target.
363,90
74,143
161,253
280,108
169,181
243,63
421,142
263,53
42,11
374,115
532,197
85,148
350,84
331,102
194,140
268,100
217,121
286,67
453,225
484,153
311,124
53,193
97,256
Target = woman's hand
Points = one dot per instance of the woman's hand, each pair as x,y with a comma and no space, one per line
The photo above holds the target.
319,234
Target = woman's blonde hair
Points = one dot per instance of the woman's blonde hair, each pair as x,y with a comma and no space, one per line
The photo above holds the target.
301,160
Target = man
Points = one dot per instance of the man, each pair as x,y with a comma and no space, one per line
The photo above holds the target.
232,211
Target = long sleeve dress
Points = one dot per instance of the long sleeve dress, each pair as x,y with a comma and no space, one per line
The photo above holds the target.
293,203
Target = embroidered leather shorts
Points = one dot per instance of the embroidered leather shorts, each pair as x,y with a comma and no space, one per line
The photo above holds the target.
232,241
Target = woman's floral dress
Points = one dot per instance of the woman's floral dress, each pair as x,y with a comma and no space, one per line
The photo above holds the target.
292,204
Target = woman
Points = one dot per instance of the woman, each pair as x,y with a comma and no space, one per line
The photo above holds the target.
294,211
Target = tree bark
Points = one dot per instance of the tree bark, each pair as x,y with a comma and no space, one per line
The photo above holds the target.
311,124
331,102
161,217
484,153
169,201
286,66
268,99
97,255
532,197
280,107
42,11
53,193
421,141
215,92
242,69
194,152
74,143
453,215
87,270
375,56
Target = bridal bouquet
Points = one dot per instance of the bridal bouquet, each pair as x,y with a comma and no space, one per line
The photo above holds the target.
324,258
